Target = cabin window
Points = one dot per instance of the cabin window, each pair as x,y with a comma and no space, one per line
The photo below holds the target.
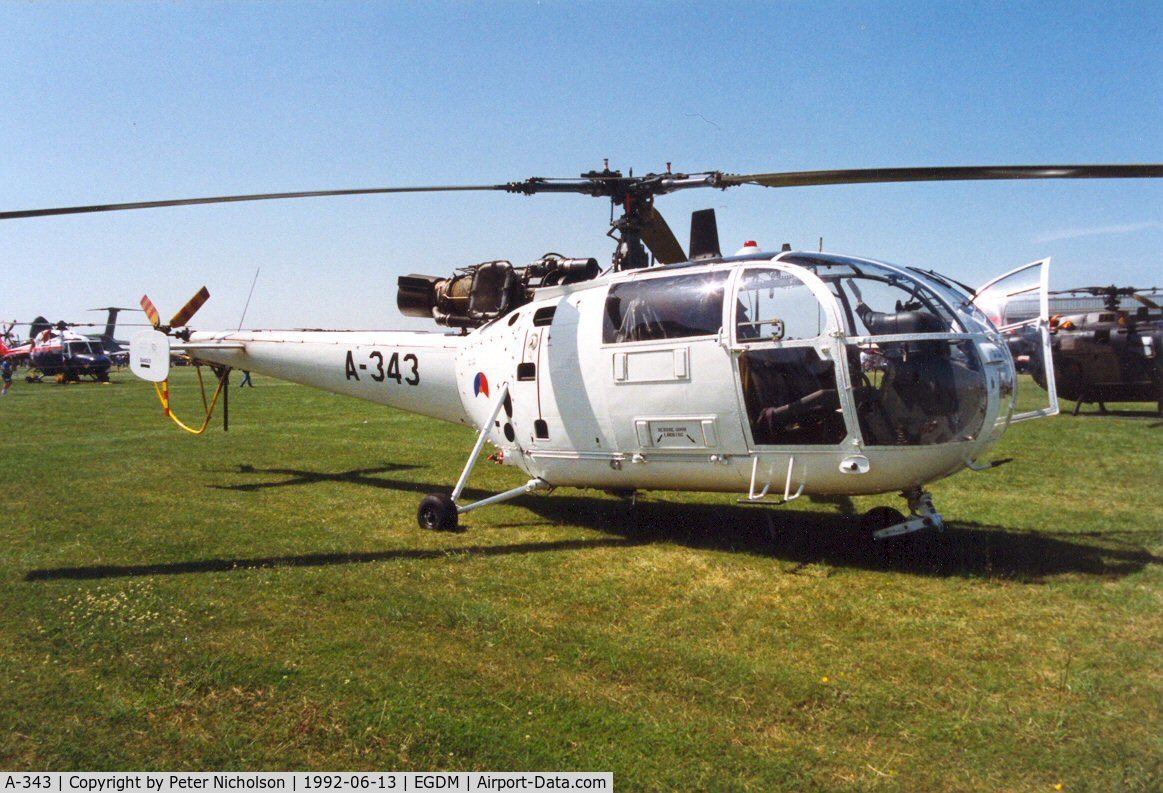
84,348
789,387
665,308
876,300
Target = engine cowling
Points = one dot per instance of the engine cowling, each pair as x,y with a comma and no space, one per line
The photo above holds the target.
478,294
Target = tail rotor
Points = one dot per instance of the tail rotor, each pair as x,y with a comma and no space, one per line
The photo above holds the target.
149,355
180,319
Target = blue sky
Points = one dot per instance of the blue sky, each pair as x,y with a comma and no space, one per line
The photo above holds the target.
114,102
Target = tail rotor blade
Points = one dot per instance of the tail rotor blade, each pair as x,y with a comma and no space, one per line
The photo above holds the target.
150,311
187,311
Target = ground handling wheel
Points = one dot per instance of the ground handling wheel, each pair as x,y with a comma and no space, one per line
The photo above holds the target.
437,513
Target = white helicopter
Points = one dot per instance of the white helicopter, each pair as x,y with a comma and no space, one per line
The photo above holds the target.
770,375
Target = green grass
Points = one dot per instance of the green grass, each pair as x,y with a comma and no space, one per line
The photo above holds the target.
262,599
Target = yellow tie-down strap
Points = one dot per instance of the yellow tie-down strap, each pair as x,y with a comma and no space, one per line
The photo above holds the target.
163,393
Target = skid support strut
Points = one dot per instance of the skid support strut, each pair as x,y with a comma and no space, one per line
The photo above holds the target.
439,511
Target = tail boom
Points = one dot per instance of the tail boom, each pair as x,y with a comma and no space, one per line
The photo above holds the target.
413,371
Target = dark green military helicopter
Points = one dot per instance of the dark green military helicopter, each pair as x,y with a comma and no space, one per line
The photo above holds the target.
1103,352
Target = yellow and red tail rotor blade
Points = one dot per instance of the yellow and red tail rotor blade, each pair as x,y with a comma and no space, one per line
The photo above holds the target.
151,311
187,311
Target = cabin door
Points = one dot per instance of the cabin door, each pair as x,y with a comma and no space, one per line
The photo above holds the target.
787,345
1018,303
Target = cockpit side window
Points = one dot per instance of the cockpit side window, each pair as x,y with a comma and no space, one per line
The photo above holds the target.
665,308
773,305
884,306
918,393
889,290
791,397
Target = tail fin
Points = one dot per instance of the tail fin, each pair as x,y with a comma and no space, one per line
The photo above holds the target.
39,324
111,318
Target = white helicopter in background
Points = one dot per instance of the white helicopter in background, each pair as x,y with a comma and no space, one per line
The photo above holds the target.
768,374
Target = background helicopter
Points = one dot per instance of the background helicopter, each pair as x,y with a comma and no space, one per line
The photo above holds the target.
705,373
9,338
1112,354
57,350
60,352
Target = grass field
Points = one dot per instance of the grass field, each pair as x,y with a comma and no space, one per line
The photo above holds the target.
263,599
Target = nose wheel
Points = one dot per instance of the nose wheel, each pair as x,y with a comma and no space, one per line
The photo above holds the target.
884,522
879,518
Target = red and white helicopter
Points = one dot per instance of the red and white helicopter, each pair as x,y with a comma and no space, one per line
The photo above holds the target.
60,352
769,374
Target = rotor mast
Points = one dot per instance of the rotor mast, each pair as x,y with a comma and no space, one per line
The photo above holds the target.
639,226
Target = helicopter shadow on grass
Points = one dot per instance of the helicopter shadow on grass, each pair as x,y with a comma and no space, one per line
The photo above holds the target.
829,534
1143,415
822,536
294,477
366,477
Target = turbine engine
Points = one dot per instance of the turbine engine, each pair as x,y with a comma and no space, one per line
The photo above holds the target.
478,294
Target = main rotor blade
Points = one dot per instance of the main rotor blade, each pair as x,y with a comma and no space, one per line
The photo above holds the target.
1098,291
178,202
603,186
942,174
660,239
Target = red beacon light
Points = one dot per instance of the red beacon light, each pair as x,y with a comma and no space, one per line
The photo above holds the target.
751,246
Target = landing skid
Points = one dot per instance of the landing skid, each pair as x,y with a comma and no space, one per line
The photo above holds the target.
1103,410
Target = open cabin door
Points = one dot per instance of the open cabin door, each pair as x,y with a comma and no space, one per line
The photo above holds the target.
1018,303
